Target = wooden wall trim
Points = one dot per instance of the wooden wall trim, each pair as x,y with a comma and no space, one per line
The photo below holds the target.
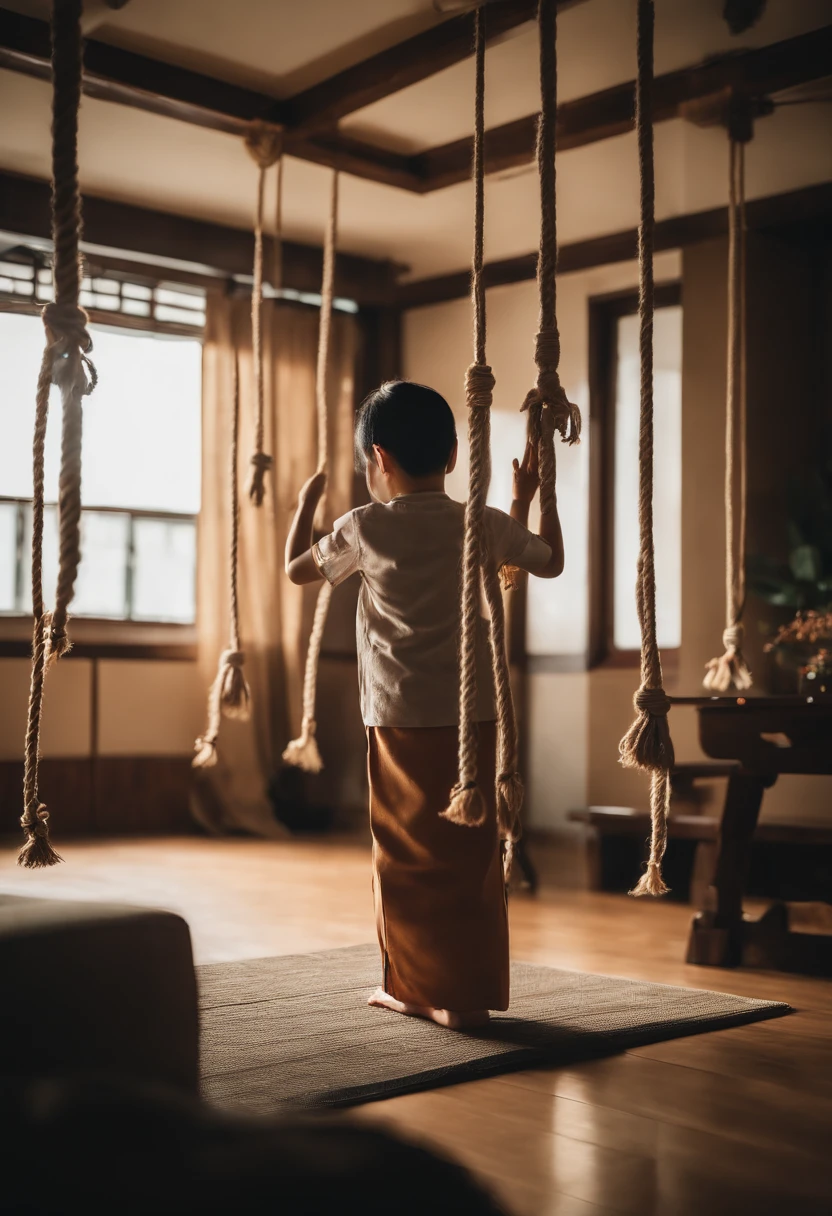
25,211
103,795
810,205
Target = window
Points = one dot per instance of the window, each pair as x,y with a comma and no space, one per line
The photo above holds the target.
615,471
141,461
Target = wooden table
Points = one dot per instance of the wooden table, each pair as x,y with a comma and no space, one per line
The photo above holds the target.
768,736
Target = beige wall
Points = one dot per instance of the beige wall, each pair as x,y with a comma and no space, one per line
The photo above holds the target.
576,719
572,744
144,708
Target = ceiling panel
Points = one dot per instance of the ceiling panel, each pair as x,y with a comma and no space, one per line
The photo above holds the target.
277,46
596,50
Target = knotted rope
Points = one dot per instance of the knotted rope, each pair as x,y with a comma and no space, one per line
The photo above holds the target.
467,804
265,146
65,363
647,744
731,668
229,694
548,397
303,752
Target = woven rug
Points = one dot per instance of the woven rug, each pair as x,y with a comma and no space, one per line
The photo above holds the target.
296,1031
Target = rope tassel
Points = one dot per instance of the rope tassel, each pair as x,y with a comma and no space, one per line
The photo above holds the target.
730,668
647,745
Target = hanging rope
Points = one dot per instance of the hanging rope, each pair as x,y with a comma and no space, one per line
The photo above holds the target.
277,261
265,146
647,744
303,752
229,694
731,668
548,399
467,804
65,363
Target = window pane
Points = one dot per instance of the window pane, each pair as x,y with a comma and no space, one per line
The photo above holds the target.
100,589
142,427
102,575
164,570
8,556
667,486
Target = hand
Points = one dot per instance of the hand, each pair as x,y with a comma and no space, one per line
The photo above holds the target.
526,477
312,491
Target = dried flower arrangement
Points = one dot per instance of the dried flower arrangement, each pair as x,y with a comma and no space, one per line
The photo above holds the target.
802,583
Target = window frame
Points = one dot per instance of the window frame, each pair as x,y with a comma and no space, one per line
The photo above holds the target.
104,637
604,313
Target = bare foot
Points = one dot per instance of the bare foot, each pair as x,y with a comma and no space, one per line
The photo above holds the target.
448,1018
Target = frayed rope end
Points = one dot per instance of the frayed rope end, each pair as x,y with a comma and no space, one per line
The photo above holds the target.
303,752
37,852
58,641
508,859
510,578
260,465
729,669
235,696
467,806
651,881
206,753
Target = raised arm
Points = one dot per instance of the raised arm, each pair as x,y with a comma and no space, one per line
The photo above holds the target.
524,487
300,564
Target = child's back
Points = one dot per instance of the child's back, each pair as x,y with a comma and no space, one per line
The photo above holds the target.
438,886
408,552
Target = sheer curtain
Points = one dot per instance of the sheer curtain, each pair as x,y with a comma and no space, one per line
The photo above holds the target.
275,617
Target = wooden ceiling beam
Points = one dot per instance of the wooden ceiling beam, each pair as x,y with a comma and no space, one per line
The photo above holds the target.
753,74
400,66
229,252
115,75
810,207
111,74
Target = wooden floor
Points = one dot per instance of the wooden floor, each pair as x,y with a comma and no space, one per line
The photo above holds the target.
737,1121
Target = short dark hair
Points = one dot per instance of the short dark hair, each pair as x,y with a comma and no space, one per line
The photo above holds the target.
412,422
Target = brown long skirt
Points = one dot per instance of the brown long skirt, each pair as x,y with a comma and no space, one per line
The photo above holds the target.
438,887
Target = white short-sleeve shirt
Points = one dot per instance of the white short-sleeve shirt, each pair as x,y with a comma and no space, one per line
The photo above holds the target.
408,554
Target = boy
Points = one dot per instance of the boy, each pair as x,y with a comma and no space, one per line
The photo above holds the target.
438,887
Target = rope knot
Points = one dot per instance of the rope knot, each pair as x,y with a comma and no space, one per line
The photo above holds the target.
68,323
262,462
233,658
479,386
264,143
35,819
732,637
58,642
547,350
653,701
